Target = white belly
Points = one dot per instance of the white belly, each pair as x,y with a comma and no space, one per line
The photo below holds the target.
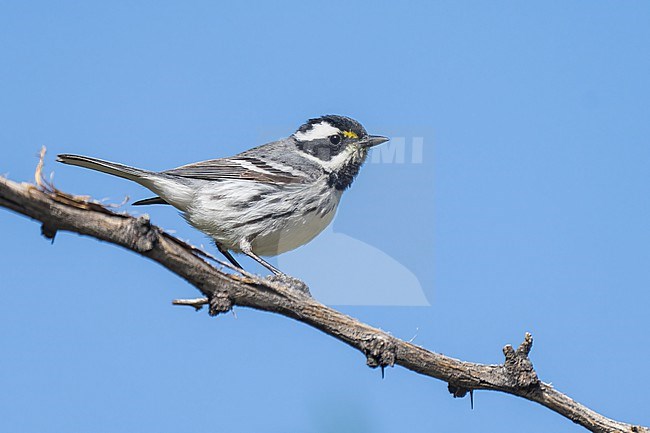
232,212
295,232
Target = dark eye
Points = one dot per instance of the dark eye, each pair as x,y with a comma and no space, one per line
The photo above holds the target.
335,139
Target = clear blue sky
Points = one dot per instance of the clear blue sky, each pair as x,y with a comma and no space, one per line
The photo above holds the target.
529,209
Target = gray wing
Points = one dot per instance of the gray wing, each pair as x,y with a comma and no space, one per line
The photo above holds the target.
241,168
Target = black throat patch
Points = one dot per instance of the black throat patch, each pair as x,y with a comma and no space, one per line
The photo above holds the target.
343,177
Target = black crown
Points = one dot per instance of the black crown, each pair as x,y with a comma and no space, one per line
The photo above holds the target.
341,122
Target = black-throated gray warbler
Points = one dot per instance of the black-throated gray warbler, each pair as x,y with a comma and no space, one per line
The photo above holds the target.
264,201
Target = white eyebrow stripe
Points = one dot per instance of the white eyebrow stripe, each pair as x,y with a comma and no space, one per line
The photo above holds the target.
318,131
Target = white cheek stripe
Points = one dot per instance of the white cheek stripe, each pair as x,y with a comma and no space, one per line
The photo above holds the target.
318,131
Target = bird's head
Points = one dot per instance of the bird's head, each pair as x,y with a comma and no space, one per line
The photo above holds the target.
338,144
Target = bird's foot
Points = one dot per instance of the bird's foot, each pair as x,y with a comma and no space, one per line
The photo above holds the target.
291,282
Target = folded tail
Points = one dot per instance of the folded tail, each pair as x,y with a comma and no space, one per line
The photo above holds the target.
169,189
113,168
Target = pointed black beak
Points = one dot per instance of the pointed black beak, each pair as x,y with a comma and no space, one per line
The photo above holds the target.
374,140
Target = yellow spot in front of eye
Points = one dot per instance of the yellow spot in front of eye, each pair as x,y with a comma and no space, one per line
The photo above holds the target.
350,134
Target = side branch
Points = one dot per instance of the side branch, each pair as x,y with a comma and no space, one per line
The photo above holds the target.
57,211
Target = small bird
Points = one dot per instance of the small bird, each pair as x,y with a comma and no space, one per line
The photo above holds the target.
267,200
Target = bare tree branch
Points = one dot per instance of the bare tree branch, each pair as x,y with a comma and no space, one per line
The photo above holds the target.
197,303
58,211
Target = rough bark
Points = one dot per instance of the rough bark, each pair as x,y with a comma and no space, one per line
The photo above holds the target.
58,211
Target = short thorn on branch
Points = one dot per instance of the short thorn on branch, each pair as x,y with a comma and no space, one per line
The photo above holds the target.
48,232
380,352
518,372
460,392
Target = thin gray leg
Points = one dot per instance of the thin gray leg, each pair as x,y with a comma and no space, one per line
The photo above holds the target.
227,255
246,249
